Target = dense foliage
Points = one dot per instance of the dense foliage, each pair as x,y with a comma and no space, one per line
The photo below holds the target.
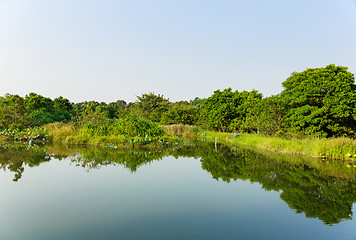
316,102
321,101
226,110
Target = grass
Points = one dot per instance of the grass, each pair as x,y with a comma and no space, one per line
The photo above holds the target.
325,148
118,134
181,130
60,132
129,132
135,132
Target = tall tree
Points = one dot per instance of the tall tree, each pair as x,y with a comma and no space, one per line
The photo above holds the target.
12,111
219,109
152,106
322,101
35,101
62,104
226,110
266,116
181,112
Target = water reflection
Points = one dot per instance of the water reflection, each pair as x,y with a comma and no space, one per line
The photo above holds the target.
14,160
317,188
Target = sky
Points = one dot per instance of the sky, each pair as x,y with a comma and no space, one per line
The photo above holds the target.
106,50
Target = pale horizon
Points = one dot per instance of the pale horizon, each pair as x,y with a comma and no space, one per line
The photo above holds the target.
117,50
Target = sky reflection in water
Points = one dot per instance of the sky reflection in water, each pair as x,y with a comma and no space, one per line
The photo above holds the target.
173,198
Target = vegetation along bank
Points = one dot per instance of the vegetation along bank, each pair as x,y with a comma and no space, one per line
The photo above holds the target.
314,115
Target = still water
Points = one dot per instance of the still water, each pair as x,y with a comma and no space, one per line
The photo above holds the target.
193,192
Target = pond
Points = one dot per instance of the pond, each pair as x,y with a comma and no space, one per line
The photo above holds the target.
191,192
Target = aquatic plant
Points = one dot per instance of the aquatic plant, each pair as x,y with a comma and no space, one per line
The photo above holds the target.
29,136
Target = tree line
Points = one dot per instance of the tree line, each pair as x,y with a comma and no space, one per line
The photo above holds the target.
315,102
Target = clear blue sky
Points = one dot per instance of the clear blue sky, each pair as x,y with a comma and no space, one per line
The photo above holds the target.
106,50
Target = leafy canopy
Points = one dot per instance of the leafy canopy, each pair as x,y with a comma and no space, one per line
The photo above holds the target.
321,101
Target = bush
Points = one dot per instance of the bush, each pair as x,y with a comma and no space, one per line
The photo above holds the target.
133,126
43,116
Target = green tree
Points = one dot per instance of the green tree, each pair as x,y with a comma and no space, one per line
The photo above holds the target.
93,112
181,112
197,102
43,110
35,101
321,101
119,104
62,104
247,101
43,116
152,106
218,110
226,110
266,116
12,111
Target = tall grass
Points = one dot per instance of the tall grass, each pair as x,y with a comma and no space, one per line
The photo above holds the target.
132,130
59,132
181,130
326,148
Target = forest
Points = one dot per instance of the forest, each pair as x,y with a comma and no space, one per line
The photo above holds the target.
318,102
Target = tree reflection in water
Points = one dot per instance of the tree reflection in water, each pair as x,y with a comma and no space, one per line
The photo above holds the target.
318,188
15,160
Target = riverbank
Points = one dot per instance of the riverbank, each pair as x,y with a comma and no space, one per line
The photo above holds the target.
325,148
116,135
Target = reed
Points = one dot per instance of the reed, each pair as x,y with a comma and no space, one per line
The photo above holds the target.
181,130
325,148
59,132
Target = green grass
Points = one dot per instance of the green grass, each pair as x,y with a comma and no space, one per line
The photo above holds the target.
326,148
129,132
135,132
181,130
